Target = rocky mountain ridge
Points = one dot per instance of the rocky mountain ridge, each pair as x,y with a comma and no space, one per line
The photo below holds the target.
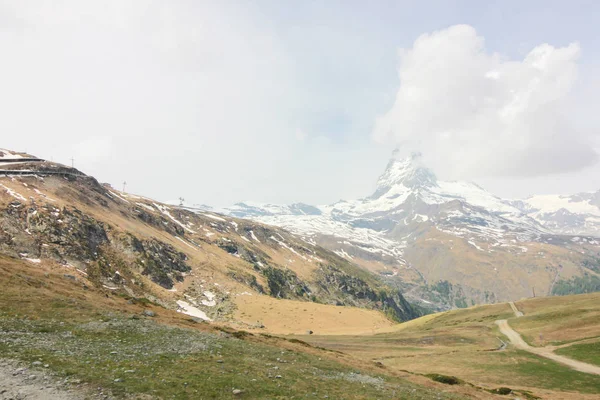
200,263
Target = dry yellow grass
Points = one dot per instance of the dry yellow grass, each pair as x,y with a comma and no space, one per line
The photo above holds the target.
295,317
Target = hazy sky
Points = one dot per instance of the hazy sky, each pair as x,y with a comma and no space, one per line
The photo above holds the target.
284,101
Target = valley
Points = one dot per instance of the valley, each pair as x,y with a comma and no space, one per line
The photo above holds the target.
95,343
111,295
293,200
478,346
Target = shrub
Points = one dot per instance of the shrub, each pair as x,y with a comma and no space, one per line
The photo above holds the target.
445,379
501,391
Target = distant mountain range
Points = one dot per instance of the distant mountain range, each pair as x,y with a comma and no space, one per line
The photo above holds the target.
451,243
439,244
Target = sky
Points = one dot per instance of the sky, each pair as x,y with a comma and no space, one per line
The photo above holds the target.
303,101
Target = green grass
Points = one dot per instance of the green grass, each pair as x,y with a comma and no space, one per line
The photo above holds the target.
558,320
586,352
102,341
133,356
524,369
469,317
460,343
53,320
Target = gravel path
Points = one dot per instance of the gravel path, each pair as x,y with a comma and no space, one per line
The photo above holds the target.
21,383
519,343
515,309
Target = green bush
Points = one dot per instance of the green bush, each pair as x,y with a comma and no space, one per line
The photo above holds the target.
501,391
445,379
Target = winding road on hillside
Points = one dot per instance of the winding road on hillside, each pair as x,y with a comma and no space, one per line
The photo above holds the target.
519,343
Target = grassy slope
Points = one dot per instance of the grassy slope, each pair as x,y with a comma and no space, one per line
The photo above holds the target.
281,316
462,342
443,257
559,320
209,262
102,340
587,352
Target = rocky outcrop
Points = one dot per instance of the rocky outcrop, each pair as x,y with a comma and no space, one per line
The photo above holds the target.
61,234
284,283
349,289
159,222
70,236
161,261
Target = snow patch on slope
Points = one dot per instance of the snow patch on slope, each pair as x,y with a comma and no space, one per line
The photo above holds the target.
188,309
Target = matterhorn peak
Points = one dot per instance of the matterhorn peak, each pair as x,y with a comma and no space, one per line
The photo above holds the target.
409,172
399,155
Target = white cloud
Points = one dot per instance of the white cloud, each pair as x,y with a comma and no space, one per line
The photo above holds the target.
195,99
301,135
94,151
476,113
204,99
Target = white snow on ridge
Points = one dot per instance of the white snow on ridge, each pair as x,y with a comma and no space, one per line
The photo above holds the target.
553,203
165,211
475,195
323,225
443,193
7,154
214,217
211,302
2,164
253,236
146,206
423,218
184,241
119,196
472,243
13,193
342,253
209,295
370,206
268,208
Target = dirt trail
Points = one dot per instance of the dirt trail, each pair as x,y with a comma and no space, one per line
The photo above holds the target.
515,309
519,343
17,382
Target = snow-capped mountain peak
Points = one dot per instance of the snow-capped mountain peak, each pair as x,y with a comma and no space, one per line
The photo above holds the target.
409,202
425,230
407,172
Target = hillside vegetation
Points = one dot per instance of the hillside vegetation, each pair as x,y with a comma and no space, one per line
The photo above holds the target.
467,344
91,338
202,263
120,296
